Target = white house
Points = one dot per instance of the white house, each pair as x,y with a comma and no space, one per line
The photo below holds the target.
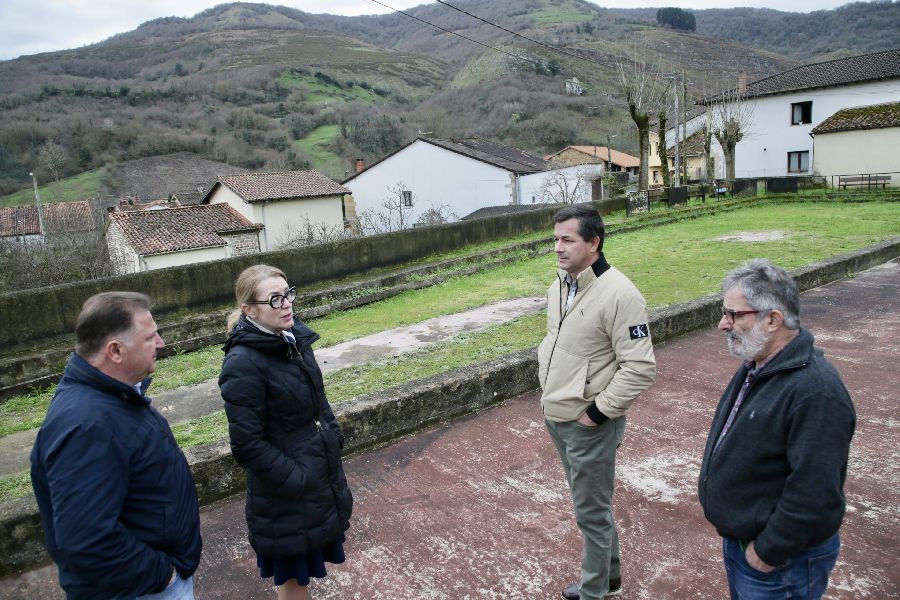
143,240
561,185
460,176
857,141
786,107
282,202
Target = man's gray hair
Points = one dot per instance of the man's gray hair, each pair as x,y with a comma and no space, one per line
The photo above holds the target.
766,288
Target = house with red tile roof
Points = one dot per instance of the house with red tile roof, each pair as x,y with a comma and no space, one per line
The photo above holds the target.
143,240
858,140
584,155
24,224
282,202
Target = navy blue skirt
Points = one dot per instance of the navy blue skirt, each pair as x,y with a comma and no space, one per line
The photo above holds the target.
301,566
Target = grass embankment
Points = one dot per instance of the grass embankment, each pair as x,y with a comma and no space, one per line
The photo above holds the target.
670,264
78,187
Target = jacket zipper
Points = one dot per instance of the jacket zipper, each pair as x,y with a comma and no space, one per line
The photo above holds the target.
749,387
558,330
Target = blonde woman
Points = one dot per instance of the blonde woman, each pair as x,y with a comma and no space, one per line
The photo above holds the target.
284,433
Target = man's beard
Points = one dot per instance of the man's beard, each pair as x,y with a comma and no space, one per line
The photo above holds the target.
747,346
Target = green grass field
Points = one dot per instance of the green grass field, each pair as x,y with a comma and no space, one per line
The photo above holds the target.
670,264
320,92
78,187
315,146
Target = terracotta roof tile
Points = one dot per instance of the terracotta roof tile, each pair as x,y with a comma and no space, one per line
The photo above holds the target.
58,216
692,146
174,229
19,220
620,159
876,116
256,187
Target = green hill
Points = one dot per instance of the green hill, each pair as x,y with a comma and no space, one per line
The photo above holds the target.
258,86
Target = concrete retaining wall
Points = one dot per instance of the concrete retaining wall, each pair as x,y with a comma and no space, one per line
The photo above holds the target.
31,317
374,419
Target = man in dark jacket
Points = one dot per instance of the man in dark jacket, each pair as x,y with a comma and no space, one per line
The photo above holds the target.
115,492
773,472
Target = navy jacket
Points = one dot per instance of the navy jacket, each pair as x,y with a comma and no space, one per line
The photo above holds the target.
115,492
777,478
285,435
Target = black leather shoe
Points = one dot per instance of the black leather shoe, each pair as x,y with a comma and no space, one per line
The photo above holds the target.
572,592
615,587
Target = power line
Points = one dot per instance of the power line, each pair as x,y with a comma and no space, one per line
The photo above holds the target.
533,41
488,46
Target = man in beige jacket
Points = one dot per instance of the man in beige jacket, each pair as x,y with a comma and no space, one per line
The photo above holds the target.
596,358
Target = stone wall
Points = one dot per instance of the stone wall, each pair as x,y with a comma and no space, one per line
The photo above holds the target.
121,254
242,243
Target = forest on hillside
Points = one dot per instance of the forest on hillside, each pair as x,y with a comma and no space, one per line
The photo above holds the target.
264,87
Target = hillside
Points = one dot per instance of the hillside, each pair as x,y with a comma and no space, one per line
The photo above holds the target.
266,87
209,85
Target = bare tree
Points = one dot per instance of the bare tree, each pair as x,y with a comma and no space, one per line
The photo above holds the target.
707,151
54,158
643,93
565,185
731,116
662,149
395,213
304,232
436,215
71,250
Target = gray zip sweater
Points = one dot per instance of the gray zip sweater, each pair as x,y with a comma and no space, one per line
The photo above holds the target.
777,478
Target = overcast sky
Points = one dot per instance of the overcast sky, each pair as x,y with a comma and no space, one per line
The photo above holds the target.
33,26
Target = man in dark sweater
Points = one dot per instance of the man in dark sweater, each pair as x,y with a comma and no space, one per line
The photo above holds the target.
772,478
115,492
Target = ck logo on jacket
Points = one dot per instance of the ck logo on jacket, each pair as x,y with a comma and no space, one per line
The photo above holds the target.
638,331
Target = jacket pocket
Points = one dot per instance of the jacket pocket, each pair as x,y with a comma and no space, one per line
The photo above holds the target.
566,376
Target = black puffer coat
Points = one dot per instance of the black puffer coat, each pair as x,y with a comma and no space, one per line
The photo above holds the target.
284,434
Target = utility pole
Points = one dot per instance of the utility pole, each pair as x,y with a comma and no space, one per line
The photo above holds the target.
684,122
609,153
677,146
37,201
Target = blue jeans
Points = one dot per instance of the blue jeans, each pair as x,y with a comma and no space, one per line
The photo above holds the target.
180,589
804,576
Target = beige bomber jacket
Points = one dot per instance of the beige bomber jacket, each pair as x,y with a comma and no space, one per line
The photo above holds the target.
601,352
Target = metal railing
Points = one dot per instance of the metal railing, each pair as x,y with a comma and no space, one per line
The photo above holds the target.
718,189
864,182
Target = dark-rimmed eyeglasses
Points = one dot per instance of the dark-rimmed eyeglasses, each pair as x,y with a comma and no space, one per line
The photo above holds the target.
278,300
731,315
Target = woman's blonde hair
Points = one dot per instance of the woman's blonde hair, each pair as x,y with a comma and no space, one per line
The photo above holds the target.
245,288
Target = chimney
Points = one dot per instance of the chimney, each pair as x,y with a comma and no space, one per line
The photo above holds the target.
360,165
742,83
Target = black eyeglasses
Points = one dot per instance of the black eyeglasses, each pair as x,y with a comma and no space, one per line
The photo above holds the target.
278,300
731,315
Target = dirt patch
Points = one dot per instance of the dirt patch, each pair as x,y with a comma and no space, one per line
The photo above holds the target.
753,236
